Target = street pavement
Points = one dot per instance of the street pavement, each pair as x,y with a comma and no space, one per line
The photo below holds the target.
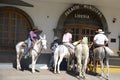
44,74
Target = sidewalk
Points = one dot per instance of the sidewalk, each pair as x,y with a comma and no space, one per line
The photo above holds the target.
43,74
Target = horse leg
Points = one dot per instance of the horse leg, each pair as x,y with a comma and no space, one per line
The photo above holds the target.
102,67
79,66
72,65
59,62
68,64
84,66
33,63
95,63
107,66
55,62
18,61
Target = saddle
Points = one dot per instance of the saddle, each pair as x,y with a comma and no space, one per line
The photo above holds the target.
69,49
24,45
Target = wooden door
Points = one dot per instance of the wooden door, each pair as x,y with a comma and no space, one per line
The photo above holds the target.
14,27
80,31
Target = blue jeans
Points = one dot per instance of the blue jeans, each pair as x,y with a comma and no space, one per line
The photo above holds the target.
29,42
51,60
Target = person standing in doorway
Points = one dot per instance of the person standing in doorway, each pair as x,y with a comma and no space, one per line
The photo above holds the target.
53,46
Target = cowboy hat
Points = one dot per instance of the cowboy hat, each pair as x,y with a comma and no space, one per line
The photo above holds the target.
100,31
35,28
68,30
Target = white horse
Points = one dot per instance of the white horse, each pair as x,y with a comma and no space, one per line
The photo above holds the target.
61,52
34,52
101,54
82,55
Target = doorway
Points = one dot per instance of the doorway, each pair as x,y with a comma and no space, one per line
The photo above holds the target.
14,27
79,31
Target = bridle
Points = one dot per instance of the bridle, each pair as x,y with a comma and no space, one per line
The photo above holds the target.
41,43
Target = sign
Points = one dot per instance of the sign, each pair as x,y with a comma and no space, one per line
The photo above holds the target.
79,7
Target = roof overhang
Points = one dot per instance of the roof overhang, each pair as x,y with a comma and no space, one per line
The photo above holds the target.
16,2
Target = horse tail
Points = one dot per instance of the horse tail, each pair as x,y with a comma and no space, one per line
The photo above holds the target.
19,47
109,51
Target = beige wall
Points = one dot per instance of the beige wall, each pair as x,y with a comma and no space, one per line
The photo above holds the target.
46,14
114,28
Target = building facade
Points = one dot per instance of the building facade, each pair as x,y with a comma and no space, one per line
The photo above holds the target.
53,17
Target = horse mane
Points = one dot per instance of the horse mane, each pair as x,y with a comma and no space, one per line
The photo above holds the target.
77,42
84,40
36,41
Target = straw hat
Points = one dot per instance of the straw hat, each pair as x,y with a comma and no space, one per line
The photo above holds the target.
100,31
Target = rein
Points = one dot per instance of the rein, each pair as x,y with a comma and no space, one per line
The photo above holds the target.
40,49
90,45
78,43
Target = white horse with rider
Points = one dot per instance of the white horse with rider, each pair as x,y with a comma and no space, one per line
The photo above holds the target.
63,52
101,52
34,52
101,55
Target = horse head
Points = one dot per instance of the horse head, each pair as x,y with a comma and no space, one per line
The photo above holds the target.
85,40
43,41
76,42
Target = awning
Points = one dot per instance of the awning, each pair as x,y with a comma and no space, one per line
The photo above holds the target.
16,2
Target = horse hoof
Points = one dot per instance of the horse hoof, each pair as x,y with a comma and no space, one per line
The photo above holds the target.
83,77
33,71
54,72
59,72
18,68
107,78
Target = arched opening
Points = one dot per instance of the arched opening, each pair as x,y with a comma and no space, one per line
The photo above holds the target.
14,27
84,20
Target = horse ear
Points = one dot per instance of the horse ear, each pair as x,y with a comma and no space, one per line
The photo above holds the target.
44,36
40,37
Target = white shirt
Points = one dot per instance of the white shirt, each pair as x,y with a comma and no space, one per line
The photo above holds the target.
100,39
67,37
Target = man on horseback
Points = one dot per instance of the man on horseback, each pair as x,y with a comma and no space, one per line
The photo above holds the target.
31,39
101,52
67,41
100,39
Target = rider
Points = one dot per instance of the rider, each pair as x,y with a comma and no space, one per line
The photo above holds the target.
31,39
67,40
100,39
